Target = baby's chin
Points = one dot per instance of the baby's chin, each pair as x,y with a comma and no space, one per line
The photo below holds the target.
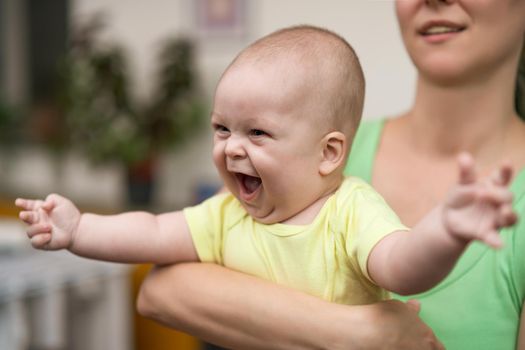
266,216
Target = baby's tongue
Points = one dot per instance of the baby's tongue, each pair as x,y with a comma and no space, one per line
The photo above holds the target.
251,183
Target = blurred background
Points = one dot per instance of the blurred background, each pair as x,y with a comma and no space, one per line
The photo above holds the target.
107,102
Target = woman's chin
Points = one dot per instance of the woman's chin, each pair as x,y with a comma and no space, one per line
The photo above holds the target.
446,76
449,70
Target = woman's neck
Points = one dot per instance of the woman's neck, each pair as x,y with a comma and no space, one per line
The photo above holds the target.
476,117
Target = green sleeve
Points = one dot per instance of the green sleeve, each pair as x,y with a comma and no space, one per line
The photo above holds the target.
515,237
363,152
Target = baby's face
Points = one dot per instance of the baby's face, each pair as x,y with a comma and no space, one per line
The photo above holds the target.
266,147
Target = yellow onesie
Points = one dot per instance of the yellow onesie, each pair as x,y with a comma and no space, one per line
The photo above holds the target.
327,258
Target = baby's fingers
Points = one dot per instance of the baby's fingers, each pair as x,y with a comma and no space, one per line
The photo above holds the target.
506,216
29,217
37,229
41,240
492,239
502,176
496,195
28,204
49,203
33,204
467,171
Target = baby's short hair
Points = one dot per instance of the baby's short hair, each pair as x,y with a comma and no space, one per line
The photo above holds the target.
336,73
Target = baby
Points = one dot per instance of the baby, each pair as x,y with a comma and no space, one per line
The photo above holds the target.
284,116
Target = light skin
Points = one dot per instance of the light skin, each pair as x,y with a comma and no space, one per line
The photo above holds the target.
442,122
261,133
280,318
443,119
465,204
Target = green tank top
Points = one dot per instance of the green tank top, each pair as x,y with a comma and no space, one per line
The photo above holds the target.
478,305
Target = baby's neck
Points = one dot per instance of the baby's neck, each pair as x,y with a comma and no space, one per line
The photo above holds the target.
308,214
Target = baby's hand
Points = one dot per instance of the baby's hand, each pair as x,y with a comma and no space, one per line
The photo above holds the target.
52,223
476,210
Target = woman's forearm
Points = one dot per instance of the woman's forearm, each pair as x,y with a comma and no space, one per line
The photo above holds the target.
226,308
242,312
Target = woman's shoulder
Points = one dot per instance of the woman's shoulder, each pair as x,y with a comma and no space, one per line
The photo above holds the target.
368,128
364,148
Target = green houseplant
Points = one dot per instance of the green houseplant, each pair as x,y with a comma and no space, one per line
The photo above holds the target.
108,124
10,137
9,125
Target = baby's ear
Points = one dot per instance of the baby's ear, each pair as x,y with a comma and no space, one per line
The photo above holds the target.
333,152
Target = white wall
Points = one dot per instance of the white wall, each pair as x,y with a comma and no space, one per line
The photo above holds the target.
14,75
370,26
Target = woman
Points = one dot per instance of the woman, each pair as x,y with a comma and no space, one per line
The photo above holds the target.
464,101
467,54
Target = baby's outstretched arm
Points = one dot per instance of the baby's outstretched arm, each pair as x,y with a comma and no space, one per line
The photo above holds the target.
477,209
133,237
409,262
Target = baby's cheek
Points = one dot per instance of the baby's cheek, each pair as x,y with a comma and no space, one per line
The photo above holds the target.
218,156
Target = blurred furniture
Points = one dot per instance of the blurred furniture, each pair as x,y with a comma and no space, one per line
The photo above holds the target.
58,301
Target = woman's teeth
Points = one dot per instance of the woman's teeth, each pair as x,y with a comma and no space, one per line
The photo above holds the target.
441,30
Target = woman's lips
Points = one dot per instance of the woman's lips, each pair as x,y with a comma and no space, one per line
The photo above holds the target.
440,31
440,27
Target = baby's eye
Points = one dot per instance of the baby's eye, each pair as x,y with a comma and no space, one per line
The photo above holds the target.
258,132
220,128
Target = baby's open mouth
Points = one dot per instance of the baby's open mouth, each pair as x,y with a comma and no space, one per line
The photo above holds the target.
249,184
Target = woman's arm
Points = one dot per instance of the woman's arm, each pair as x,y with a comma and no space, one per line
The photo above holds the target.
238,311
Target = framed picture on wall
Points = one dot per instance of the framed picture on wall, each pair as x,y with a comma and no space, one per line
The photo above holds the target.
221,18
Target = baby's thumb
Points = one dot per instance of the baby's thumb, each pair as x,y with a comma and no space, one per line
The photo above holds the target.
50,202
414,305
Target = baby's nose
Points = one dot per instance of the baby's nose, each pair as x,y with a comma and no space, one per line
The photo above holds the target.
235,148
